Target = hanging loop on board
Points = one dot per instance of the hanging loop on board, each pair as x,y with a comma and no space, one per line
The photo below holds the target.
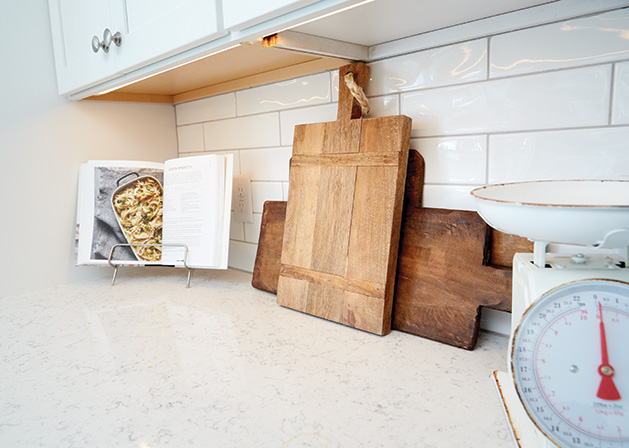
357,92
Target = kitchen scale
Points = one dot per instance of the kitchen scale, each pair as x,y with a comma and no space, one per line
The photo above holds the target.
568,366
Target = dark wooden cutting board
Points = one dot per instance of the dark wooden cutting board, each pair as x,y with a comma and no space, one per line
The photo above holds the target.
447,272
266,270
344,214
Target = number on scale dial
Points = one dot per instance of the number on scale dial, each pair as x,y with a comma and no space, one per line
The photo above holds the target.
570,364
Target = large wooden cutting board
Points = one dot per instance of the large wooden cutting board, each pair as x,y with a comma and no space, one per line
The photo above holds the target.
266,269
343,216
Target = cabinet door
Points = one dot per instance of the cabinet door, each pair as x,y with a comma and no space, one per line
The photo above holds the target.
74,23
155,29
240,14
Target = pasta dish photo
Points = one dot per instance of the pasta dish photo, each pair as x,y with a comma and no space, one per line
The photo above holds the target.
138,206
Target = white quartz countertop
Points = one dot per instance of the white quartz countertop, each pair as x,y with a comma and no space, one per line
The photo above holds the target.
148,363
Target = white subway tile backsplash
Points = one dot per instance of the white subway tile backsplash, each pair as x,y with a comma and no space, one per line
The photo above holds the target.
207,109
254,131
269,164
242,255
298,92
252,230
569,154
236,230
334,75
510,100
265,191
496,321
190,138
448,196
620,111
315,114
465,62
383,106
453,160
581,41
568,98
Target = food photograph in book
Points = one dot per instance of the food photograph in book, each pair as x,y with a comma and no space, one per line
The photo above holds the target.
128,210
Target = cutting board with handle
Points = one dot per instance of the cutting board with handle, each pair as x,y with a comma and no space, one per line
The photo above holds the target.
343,216
266,270
451,264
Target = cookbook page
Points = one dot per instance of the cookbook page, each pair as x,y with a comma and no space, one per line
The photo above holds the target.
120,203
196,211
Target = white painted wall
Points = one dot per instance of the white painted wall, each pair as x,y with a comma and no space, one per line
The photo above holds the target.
43,139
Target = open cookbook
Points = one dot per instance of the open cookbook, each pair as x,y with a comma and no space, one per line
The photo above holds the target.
146,211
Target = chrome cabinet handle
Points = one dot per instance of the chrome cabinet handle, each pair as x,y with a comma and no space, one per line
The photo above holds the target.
108,38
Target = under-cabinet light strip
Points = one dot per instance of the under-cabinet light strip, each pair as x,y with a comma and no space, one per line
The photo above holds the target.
104,92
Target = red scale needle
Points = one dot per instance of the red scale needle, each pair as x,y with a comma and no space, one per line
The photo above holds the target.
607,389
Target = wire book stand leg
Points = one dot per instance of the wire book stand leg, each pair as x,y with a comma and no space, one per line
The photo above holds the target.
116,266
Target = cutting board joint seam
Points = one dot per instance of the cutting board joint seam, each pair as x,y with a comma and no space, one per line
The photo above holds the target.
358,286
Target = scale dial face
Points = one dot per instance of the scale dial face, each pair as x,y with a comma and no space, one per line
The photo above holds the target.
570,363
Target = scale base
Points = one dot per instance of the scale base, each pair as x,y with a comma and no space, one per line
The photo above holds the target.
524,433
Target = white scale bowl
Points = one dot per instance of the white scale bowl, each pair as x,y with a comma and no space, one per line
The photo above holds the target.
581,212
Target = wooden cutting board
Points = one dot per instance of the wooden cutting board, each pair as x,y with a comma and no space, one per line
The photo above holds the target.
344,213
266,270
447,270
450,265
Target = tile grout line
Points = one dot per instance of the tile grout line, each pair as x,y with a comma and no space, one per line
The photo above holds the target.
611,94
523,131
488,74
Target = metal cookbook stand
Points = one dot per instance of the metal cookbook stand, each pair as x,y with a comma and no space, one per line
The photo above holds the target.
116,266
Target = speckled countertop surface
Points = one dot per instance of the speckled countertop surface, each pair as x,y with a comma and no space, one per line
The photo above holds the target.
148,363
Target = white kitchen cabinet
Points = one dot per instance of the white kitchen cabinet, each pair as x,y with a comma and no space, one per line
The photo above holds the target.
160,28
74,22
150,30
239,14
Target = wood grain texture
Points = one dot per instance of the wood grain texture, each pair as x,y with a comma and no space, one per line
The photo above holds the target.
266,269
301,218
450,265
334,219
442,281
343,217
504,246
